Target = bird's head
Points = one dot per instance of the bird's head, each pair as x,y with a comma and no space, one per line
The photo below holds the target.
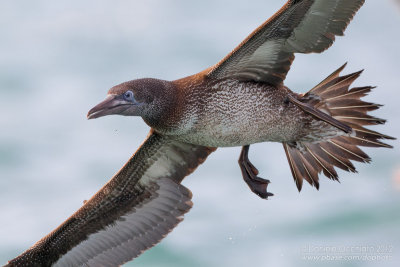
147,98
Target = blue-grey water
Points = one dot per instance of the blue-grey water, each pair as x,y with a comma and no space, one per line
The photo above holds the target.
58,59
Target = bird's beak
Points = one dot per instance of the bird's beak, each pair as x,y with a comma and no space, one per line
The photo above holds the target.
113,104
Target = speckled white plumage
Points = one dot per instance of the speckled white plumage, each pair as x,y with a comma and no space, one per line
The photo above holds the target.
235,113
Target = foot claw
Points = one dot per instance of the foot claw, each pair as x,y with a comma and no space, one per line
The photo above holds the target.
257,184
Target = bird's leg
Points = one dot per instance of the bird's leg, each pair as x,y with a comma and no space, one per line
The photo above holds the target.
257,184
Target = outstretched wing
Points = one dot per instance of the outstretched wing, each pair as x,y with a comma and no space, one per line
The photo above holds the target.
139,206
300,26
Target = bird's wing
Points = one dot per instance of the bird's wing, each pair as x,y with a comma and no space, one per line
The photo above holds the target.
300,26
139,206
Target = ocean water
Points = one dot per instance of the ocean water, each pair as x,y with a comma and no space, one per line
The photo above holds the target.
58,59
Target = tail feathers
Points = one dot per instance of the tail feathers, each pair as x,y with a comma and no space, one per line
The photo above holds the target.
334,97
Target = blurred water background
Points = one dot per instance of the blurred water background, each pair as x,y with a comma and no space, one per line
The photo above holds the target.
58,59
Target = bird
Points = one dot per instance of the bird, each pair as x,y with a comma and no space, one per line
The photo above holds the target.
239,101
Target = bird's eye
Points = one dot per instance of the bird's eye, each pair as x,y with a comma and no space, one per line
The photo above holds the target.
128,95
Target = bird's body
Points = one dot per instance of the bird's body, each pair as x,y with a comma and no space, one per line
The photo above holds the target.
229,112
237,102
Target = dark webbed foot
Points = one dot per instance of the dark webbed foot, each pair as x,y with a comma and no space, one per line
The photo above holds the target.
257,184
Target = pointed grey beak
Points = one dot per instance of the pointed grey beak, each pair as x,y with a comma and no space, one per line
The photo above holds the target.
113,104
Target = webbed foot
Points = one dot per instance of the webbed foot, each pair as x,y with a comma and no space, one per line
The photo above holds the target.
256,184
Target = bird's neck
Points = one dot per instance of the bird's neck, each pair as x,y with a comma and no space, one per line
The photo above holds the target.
162,115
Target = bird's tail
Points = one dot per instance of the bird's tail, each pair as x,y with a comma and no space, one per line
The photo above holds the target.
335,103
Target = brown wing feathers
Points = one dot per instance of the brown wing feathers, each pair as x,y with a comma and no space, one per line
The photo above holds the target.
334,97
135,231
131,213
302,26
